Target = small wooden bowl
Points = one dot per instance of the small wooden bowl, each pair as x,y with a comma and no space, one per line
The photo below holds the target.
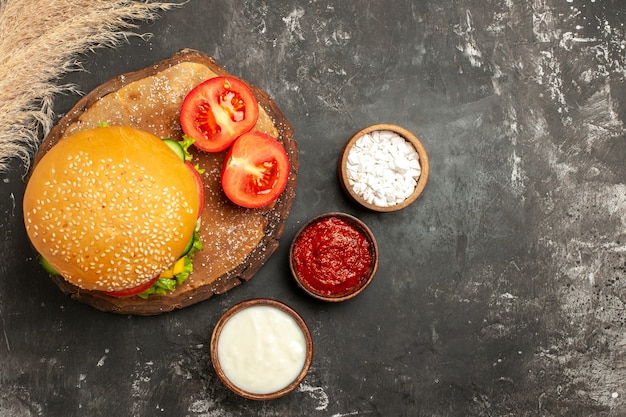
423,159
365,280
229,314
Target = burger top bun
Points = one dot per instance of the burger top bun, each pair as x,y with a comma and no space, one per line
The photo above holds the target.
110,208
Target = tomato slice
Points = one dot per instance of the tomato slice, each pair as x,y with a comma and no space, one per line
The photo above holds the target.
199,184
129,292
255,171
217,111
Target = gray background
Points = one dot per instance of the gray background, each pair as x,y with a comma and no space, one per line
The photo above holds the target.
500,292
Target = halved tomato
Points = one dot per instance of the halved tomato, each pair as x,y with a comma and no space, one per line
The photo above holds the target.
129,292
217,111
255,171
199,184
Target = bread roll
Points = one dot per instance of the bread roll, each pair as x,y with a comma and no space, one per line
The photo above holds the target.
110,208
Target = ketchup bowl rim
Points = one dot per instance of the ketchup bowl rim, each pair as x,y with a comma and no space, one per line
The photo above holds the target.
243,305
368,277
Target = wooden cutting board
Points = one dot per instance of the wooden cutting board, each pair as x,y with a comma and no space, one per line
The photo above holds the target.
237,241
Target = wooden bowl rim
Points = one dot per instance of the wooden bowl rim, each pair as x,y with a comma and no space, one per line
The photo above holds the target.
407,135
217,330
364,228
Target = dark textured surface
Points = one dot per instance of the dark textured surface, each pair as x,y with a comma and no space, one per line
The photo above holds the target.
500,292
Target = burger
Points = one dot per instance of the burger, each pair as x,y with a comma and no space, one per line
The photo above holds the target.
115,209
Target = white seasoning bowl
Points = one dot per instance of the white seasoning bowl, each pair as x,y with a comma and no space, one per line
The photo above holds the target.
262,356
355,189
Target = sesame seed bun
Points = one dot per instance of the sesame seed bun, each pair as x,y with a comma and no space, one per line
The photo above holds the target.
110,208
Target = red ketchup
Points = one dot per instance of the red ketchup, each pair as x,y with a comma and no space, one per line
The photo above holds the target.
331,257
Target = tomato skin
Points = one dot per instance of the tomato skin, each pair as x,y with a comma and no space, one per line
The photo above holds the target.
130,292
217,111
198,179
255,171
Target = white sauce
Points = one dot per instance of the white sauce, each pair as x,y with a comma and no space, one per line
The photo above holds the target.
261,349
383,168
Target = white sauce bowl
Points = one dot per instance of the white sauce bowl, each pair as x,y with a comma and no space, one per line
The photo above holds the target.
261,349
